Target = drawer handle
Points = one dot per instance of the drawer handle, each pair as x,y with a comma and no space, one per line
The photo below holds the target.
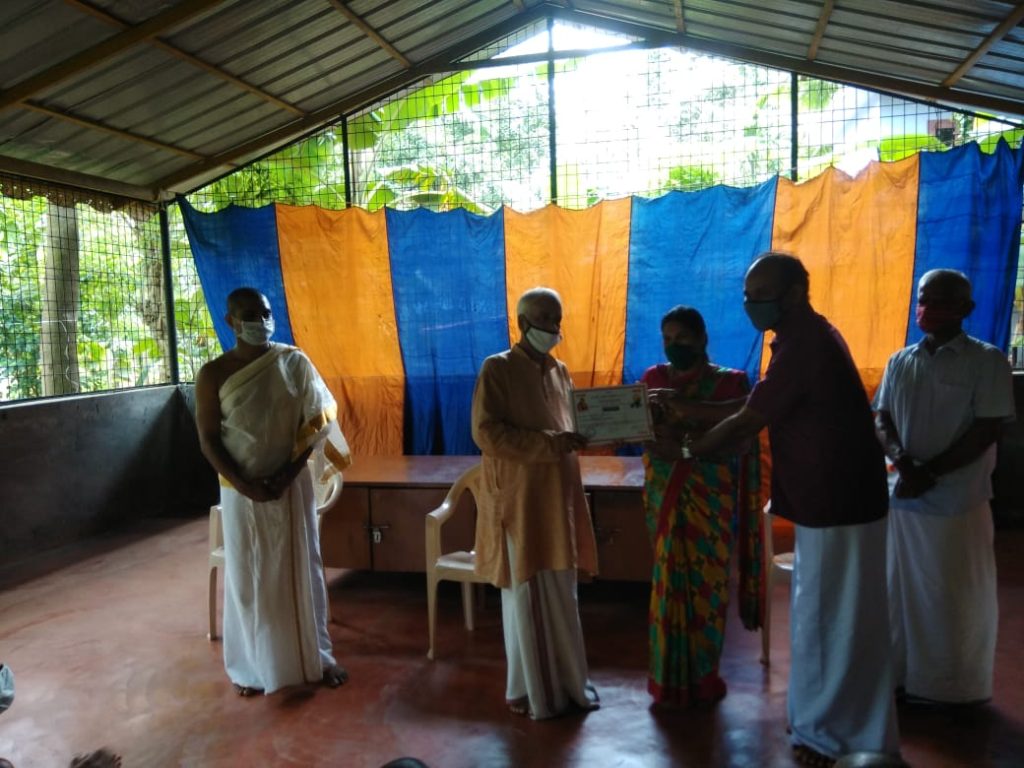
377,532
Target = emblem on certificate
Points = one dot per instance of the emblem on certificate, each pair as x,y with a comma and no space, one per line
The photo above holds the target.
612,414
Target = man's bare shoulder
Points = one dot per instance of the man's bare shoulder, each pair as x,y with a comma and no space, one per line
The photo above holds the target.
216,372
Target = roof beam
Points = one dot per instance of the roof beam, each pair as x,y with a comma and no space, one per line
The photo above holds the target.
819,31
107,49
997,34
442,62
677,5
97,125
368,30
48,173
102,14
517,4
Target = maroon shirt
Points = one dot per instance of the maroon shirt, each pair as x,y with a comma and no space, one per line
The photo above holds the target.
827,465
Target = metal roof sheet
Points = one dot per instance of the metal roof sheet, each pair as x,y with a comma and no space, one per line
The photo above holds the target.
161,96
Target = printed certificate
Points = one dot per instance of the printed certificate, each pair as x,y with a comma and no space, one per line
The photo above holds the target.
612,414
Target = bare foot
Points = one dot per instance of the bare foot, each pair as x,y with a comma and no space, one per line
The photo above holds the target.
519,706
335,676
245,690
101,758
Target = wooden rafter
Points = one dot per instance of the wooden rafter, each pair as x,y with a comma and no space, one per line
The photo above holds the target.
97,125
677,5
102,51
1012,20
819,31
104,15
368,30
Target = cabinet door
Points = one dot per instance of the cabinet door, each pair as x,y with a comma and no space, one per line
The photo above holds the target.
623,544
399,514
343,536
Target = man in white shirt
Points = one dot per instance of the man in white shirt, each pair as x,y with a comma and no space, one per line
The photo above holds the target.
939,411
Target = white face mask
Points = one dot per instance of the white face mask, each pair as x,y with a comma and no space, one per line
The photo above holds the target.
255,332
542,341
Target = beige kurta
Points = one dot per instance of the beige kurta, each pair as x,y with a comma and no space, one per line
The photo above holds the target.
528,491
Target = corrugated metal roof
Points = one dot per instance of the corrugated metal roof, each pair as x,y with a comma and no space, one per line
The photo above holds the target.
149,98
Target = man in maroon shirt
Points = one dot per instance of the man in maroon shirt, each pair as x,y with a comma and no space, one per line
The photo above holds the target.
828,478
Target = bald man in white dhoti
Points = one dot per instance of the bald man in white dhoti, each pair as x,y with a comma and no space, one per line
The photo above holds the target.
262,411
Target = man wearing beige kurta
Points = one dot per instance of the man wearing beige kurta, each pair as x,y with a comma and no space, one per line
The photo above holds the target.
533,526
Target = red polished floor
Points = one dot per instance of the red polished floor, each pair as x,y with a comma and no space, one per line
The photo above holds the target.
107,640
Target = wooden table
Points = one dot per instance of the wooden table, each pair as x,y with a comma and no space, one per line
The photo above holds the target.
378,522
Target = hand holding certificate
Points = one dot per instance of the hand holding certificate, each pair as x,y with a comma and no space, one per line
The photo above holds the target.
612,414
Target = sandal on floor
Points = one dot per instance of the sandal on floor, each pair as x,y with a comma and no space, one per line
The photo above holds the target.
245,690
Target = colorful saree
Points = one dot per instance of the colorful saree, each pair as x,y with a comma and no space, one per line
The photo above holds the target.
695,511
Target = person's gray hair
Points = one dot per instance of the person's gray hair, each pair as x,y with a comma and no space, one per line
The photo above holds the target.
951,277
530,297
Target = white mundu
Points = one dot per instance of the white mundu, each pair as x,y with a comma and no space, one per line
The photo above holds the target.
275,599
941,564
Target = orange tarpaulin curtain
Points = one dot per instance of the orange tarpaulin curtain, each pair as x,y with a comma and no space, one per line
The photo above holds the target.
856,236
584,255
337,277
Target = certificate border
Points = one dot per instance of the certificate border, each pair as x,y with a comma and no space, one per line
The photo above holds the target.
642,386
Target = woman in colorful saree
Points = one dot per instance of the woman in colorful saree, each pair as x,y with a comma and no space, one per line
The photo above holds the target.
696,510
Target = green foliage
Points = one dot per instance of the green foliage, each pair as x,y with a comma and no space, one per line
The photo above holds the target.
898,147
450,96
1013,138
22,231
691,177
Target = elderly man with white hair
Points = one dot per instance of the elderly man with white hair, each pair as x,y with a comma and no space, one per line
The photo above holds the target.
939,411
533,526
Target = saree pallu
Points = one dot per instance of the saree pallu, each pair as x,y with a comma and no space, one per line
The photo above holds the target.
696,510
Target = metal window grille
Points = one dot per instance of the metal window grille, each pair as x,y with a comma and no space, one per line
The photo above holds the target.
81,291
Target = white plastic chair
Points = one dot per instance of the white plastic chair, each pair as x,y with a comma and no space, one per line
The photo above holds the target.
781,564
451,566
326,492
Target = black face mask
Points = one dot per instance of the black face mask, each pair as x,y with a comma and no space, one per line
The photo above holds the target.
682,356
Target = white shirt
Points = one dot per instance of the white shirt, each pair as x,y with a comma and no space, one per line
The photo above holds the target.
933,400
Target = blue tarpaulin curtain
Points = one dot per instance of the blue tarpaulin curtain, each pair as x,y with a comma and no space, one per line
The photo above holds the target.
694,248
237,247
968,218
448,276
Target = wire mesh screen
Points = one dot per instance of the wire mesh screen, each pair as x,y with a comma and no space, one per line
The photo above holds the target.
633,121
644,122
475,139
847,127
82,293
197,341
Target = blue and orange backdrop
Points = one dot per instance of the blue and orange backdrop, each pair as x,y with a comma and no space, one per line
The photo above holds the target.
398,309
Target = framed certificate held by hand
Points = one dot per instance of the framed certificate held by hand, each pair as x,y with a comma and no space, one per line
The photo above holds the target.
612,414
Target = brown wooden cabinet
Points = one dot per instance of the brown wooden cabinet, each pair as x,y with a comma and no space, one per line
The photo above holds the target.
378,522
